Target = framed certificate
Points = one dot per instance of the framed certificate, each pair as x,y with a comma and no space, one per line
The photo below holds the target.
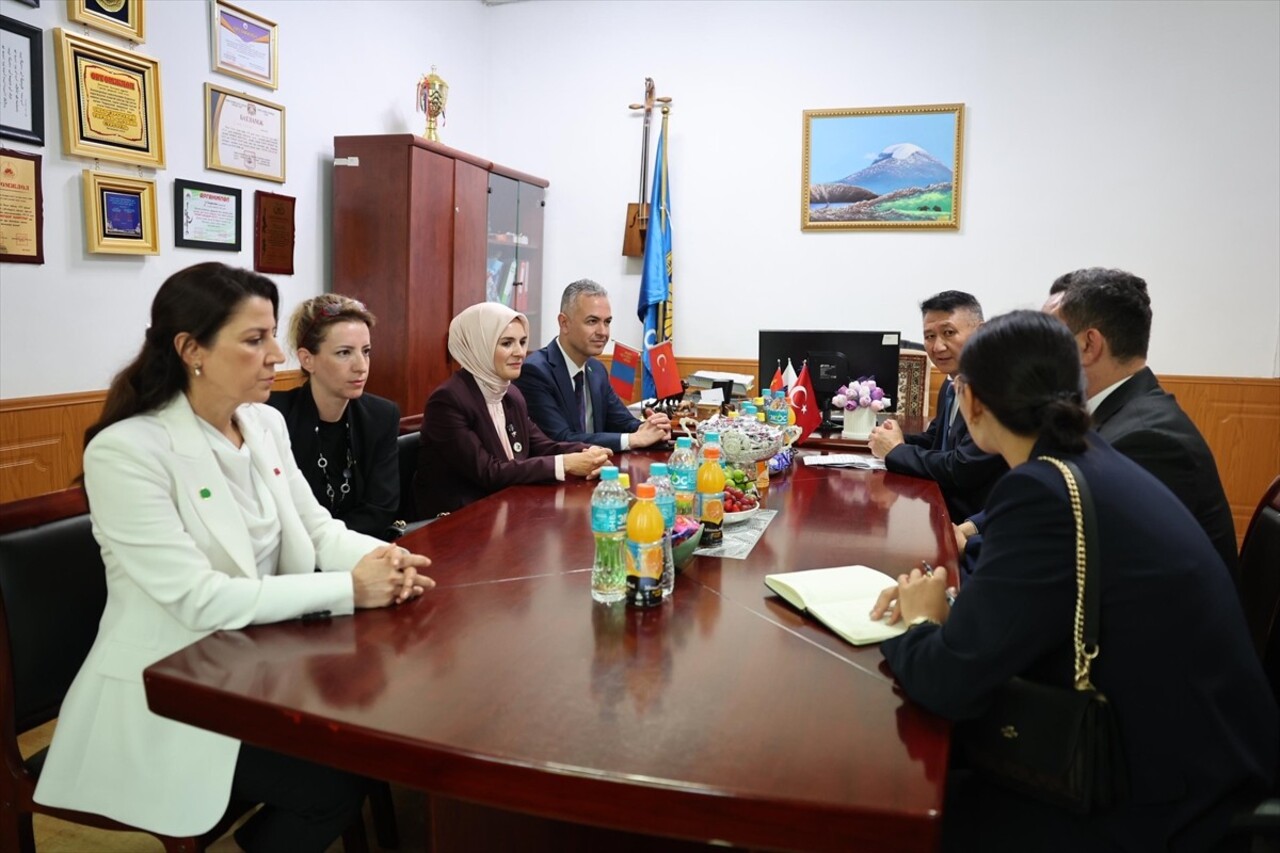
244,44
243,135
109,101
206,216
22,70
120,214
273,232
119,17
21,208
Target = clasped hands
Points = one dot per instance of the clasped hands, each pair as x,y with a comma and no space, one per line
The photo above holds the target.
918,594
655,427
389,575
884,438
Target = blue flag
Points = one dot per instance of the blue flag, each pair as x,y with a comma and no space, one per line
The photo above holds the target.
654,309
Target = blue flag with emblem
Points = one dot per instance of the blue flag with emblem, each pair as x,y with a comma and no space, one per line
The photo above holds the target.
654,309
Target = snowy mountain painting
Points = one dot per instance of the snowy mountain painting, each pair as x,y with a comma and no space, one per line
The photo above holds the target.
896,167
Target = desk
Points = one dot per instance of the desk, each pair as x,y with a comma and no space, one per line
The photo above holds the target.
722,715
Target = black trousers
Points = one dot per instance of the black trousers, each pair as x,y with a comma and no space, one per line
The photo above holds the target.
305,806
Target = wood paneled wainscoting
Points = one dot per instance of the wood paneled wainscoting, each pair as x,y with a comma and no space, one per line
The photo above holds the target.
41,437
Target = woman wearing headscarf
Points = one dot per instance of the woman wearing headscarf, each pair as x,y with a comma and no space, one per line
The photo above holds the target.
477,437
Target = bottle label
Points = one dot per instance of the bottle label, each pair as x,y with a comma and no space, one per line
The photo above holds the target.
608,519
683,479
711,508
645,563
667,504
712,534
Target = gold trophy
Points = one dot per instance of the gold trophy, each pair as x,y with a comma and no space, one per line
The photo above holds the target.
432,93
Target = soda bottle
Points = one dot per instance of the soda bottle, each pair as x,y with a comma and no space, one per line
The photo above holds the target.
711,498
683,466
762,477
644,549
608,524
665,497
778,410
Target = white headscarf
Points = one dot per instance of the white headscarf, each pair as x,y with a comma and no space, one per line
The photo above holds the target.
473,341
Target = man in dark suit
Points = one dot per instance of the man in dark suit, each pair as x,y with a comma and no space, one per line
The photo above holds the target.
1109,312
944,452
567,387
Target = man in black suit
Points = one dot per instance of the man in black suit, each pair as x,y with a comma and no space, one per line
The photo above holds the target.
1109,312
944,452
567,388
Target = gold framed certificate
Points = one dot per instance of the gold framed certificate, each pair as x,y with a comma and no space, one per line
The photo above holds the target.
243,135
120,214
109,101
119,17
244,44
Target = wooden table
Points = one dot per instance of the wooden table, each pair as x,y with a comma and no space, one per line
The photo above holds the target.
722,716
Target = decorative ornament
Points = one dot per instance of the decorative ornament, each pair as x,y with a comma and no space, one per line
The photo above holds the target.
432,94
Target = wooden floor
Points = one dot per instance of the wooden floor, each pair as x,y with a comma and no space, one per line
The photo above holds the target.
57,836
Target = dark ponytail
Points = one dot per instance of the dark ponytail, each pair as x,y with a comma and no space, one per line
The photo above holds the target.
197,300
1025,367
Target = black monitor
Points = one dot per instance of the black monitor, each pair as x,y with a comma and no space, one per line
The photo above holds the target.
834,357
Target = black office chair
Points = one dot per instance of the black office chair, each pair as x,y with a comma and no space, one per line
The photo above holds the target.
407,445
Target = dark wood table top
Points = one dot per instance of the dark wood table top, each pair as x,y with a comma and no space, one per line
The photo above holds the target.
724,714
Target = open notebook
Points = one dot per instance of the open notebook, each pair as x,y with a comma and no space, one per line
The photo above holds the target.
840,598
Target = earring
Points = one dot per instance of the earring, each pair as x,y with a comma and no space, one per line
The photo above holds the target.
197,370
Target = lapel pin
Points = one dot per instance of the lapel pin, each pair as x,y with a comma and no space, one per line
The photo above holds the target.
206,494
277,470
517,447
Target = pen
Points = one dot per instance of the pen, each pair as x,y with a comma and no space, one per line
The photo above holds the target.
928,570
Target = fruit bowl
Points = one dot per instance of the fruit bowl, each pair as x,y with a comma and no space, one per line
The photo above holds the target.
682,551
735,517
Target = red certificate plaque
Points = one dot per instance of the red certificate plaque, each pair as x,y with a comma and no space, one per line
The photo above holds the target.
273,232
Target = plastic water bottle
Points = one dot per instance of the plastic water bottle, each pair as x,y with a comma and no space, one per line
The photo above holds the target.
683,468
711,498
608,525
762,407
645,557
778,410
709,440
665,497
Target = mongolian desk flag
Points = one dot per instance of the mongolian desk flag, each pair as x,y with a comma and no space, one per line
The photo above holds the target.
622,372
666,376
654,309
805,402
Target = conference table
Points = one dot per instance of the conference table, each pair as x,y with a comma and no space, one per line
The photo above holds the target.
527,711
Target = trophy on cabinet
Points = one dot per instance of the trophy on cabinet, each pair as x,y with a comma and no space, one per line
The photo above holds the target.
432,93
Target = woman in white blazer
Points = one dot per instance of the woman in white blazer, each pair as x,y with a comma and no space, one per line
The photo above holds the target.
205,523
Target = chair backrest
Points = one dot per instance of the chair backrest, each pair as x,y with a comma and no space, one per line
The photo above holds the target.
53,589
1260,582
407,445
913,383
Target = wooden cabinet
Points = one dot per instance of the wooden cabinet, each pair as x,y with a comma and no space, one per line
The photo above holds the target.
415,238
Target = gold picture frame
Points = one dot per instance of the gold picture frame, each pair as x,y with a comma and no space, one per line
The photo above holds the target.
882,167
120,214
109,102
124,18
243,135
244,44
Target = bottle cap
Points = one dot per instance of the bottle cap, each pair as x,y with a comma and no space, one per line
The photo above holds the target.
657,469
713,452
646,490
684,442
608,472
712,436
625,480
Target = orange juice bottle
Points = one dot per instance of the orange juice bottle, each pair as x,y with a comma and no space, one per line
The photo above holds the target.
711,498
645,556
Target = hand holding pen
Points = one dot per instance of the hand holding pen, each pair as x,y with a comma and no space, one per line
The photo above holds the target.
921,595
951,590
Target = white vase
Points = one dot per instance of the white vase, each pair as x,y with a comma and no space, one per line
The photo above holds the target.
859,423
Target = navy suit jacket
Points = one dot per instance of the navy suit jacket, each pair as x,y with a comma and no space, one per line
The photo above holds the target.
963,472
375,424
460,457
544,381
1196,714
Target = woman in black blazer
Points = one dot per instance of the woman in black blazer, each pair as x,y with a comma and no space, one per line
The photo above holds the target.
1198,723
344,440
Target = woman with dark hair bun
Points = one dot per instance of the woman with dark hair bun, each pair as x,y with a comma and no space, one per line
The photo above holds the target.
1198,722
205,523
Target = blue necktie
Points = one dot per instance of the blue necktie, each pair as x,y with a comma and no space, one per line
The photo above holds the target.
948,399
580,391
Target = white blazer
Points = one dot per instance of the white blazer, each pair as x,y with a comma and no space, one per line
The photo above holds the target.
180,566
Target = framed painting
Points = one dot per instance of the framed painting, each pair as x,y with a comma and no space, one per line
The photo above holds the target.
109,102
882,167
22,70
120,214
245,45
122,18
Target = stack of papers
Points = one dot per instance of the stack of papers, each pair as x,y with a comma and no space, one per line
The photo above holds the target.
845,460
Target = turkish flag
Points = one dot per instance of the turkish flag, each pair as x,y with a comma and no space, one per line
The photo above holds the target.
666,376
805,402
776,384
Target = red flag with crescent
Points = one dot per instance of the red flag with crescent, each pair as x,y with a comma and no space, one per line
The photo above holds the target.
805,402
666,376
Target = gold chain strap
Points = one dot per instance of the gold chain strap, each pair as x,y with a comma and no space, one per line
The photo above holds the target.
1084,657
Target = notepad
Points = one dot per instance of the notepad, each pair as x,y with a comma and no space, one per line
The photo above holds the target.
840,598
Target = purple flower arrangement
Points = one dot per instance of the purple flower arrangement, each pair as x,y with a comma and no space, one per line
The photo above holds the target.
863,394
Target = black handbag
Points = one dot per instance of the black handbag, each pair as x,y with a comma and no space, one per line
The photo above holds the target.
1058,744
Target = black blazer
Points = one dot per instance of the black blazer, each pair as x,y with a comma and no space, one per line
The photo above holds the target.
1197,716
964,473
375,484
461,459
1146,424
544,381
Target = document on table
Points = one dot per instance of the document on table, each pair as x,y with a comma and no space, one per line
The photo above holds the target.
846,460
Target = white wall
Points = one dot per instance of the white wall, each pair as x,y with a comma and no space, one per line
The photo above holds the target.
1139,135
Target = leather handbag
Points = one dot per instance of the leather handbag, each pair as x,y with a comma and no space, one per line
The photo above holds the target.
1058,744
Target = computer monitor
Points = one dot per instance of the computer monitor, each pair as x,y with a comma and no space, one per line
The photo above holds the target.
834,357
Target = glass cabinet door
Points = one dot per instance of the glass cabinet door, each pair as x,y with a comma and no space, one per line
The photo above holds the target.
513,268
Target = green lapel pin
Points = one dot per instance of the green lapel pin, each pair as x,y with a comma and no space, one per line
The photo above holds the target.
206,494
